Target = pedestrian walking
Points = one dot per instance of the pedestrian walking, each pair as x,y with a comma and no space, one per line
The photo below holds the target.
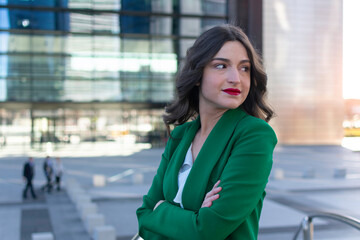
59,170
28,175
48,172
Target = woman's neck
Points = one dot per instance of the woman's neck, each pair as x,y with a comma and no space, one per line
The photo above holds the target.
208,120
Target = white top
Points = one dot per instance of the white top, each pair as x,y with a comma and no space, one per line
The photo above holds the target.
58,168
183,174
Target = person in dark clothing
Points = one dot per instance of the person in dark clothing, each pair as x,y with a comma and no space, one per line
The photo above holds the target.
48,171
28,175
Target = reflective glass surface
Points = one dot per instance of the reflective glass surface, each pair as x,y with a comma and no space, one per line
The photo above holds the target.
205,7
123,53
83,68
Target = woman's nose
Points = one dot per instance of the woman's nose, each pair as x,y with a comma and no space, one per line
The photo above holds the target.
234,76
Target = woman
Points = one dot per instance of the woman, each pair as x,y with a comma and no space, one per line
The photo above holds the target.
211,180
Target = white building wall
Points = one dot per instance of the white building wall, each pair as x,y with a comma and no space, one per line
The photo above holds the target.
302,44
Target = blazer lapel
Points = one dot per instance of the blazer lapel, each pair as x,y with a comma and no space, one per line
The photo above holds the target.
171,176
210,153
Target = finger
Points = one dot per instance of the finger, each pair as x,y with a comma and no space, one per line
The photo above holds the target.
216,184
214,187
213,192
217,190
206,205
212,198
208,202
158,204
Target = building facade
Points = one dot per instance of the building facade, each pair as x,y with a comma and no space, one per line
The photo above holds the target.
93,70
302,49
103,70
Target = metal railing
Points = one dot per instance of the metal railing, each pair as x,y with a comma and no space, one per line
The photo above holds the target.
307,225
136,237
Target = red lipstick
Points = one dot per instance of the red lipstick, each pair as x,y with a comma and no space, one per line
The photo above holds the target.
232,91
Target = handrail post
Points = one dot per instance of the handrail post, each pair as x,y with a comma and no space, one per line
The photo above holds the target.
308,228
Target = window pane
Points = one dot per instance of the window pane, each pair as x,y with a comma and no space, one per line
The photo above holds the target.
135,45
4,18
37,20
162,86
31,43
214,7
165,6
184,45
106,90
135,85
47,44
3,66
76,90
81,22
161,25
190,26
106,4
136,5
106,23
162,46
106,46
201,7
134,24
80,4
76,45
19,43
4,42
209,23
190,7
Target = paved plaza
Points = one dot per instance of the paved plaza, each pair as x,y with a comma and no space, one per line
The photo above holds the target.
304,180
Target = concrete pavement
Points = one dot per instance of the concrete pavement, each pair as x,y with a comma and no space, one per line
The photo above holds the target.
303,180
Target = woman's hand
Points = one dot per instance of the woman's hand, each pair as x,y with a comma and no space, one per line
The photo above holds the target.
212,195
158,204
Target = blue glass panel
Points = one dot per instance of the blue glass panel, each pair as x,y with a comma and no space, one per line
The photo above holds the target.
135,24
4,19
39,20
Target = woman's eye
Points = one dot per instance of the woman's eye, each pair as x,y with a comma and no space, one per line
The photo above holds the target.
220,66
245,68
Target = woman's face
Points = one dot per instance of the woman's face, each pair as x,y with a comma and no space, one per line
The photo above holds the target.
226,79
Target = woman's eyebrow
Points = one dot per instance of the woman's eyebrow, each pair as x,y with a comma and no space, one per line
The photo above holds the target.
221,59
228,60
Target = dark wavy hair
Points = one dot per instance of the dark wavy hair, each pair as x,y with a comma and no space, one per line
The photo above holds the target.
186,103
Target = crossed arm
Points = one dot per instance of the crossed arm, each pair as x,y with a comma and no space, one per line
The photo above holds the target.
209,197
224,208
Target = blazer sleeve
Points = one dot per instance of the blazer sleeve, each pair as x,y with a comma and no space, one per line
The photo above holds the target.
155,193
243,182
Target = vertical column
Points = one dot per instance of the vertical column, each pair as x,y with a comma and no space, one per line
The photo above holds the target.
247,14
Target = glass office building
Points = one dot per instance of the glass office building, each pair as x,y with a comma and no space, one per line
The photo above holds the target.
93,70
103,70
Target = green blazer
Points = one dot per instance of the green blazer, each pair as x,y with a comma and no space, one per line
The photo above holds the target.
238,151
